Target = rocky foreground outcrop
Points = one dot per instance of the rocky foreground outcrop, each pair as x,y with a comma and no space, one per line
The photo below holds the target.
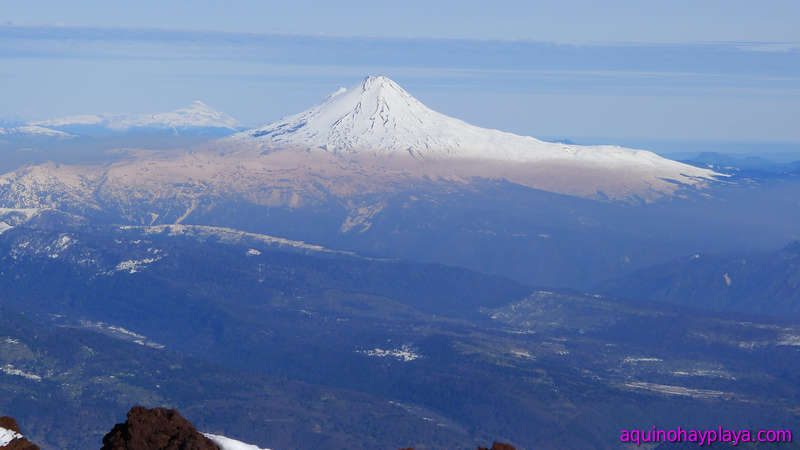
153,429
156,429
499,446
495,446
11,437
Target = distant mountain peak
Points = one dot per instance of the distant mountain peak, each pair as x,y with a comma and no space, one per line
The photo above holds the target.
197,115
199,106
386,138
376,114
381,85
34,131
379,116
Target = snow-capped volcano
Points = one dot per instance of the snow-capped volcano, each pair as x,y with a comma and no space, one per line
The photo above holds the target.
196,115
371,139
379,116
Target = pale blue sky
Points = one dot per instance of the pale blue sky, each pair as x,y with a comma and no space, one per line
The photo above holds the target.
561,21
726,70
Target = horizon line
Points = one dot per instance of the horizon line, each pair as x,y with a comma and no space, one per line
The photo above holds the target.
779,46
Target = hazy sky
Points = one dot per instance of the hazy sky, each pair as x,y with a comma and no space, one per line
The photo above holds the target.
679,69
562,21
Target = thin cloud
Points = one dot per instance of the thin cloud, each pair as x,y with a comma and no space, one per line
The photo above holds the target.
91,42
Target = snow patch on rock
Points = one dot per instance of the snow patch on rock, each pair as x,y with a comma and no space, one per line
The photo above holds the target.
6,436
789,340
632,359
226,443
403,353
9,369
134,265
121,333
676,390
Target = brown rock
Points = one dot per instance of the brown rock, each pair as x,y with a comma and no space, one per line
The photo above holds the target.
9,424
495,446
499,446
20,444
156,429
17,444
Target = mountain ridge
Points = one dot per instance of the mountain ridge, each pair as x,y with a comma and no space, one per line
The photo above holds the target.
762,282
196,115
372,139
34,131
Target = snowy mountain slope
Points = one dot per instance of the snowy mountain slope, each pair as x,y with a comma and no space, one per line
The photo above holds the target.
151,188
34,131
231,236
196,115
10,217
379,116
49,185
